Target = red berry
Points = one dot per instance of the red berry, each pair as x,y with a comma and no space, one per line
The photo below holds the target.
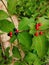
41,33
37,27
39,24
10,34
36,34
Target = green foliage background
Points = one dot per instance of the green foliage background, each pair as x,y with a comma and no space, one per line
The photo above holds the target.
36,49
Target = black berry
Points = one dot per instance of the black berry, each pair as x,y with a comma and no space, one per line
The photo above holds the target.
14,29
16,33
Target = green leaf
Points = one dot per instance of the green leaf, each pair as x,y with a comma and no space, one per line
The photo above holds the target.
37,62
32,26
0,54
11,6
16,52
7,52
13,38
9,60
25,39
40,45
44,22
48,52
23,25
47,34
6,26
19,63
3,15
30,58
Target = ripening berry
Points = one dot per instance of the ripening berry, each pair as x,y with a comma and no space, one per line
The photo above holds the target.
39,24
36,34
41,33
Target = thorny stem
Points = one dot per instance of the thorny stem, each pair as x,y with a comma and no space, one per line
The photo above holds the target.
7,11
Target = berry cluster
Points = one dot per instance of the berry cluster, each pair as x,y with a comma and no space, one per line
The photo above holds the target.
15,31
37,28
